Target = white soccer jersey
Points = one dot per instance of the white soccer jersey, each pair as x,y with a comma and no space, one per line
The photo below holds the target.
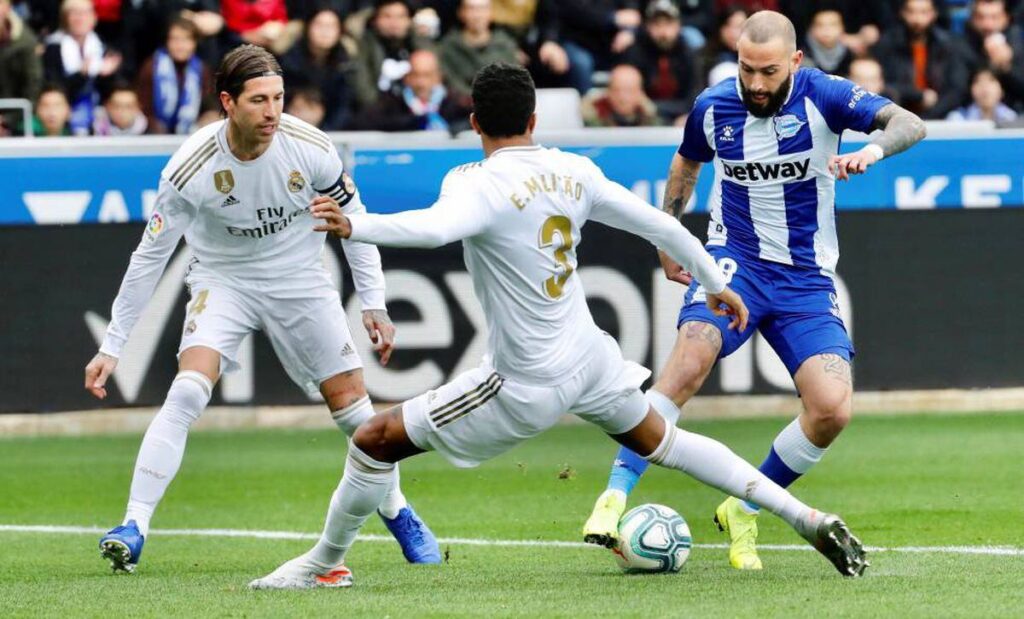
519,214
245,221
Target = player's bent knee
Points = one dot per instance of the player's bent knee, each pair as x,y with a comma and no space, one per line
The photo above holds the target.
830,415
382,437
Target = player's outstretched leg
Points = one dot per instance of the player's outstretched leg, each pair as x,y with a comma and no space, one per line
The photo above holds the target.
366,480
826,390
415,538
159,459
715,464
693,355
602,527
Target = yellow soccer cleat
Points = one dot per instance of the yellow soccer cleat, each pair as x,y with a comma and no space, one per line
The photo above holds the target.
742,529
602,528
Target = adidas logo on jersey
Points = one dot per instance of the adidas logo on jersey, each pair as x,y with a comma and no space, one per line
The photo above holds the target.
230,201
347,350
791,170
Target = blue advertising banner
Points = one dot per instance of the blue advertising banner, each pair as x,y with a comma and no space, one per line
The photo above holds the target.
101,188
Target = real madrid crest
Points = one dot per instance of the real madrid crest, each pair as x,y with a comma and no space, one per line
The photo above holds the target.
223,180
295,182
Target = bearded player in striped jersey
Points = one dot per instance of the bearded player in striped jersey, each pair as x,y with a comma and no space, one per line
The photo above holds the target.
519,215
773,134
241,191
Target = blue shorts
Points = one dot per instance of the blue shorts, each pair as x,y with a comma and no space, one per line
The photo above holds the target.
795,308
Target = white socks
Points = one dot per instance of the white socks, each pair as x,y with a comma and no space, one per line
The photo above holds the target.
713,463
348,420
359,494
164,445
795,450
664,405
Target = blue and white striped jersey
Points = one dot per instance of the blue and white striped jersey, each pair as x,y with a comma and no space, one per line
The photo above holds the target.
773,196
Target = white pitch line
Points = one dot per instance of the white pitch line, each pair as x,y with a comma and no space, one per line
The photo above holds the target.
470,541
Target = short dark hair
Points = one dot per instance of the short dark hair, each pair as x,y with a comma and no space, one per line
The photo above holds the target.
182,23
242,64
504,97
119,85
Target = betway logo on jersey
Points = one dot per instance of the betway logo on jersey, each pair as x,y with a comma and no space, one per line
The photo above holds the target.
753,172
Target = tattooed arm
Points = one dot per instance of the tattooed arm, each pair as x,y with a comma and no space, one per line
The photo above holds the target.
900,130
682,178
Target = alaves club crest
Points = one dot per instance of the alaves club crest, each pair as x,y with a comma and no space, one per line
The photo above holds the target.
223,180
787,126
296,182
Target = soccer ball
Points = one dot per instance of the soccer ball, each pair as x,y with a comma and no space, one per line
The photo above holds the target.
652,539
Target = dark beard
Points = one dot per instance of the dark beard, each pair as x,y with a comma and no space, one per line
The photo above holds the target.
774,103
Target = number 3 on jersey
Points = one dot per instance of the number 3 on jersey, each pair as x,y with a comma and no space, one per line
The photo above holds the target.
560,224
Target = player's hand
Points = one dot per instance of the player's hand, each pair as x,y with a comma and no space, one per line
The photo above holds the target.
734,306
842,166
674,271
382,333
97,372
326,209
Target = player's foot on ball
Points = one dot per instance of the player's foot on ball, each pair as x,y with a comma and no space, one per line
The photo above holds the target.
602,528
742,529
122,546
831,537
414,536
301,573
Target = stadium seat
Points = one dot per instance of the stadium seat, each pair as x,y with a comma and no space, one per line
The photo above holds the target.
558,109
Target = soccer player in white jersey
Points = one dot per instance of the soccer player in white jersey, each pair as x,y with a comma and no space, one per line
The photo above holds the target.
773,134
241,192
518,214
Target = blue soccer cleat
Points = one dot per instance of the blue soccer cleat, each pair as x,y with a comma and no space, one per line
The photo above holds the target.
122,546
414,536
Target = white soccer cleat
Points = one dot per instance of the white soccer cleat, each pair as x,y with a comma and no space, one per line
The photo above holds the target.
301,573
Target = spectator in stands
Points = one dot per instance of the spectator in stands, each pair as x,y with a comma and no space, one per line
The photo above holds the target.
172,82
624,104
986,100
593,33
998,45
867,73
824,47
322,61
21,72
423,103
863,20
53,112
668,66
120,114
210,111
467,49
534,26
306,103
260,22
698,17
923,63
203,14
384,52
720,59
77,59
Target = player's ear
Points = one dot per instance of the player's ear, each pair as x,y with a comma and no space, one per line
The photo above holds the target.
226,102
473,123
796,60
532,123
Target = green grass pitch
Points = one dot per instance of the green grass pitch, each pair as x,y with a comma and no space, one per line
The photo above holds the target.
907,481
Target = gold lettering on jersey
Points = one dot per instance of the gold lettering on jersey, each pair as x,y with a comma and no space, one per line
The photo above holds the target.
296,182
223,180
271,221
547,183
560,225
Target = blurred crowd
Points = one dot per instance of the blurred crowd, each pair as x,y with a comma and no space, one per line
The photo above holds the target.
131,67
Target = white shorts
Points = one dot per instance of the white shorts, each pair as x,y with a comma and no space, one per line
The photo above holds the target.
479,414
306,326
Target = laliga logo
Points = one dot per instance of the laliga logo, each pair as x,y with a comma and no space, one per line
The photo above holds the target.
156,225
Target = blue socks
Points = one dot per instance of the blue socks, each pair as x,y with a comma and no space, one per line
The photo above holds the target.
628,466
626,470
792,454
